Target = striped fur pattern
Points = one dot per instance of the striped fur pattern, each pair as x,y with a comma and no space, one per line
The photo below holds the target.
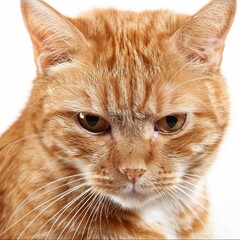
58,181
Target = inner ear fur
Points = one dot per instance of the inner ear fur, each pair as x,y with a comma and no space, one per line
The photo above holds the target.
201,39
54,38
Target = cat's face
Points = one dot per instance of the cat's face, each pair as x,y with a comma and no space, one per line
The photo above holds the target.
131,111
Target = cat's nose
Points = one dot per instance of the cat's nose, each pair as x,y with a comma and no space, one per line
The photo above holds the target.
133,174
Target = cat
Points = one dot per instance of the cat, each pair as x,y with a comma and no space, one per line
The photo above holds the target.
125,118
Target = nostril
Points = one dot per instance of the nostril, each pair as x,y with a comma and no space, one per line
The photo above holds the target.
133,174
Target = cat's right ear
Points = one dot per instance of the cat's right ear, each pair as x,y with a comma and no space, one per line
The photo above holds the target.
55,39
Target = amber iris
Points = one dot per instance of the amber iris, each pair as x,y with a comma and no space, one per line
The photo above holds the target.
171,123
93,123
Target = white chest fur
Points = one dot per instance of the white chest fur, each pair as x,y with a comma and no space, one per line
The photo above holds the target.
159,220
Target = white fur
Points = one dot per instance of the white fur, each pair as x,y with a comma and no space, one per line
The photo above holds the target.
157,218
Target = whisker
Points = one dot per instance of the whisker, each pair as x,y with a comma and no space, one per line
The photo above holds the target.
73,209
180,204
50,90
176,74
172,215
116,207
191,209
93,214
107,207
58,198
88,208
60,212
219,223
100,220
62,195
197,177
199,101
212,78
77,212
17,141
225,199
24,203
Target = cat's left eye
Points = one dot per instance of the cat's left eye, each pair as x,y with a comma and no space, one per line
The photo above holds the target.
93,123
171,124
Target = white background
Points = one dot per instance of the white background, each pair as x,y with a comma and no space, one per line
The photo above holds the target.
17,70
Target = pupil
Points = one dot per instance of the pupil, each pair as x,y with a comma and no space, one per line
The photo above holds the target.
92,120
171,121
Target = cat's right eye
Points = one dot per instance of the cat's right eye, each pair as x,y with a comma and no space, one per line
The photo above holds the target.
93,124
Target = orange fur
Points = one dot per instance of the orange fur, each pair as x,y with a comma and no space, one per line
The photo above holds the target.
57,180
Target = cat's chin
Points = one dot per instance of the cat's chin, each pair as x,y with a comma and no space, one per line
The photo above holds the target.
129,202
132,201
133,197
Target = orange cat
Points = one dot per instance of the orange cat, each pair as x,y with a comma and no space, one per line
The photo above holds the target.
124,120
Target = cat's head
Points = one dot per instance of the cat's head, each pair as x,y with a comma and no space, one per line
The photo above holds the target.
135,101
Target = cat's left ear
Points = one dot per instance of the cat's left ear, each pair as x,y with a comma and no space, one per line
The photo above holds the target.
55,39
201,39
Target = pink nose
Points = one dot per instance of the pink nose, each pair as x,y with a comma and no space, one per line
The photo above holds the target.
133,174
